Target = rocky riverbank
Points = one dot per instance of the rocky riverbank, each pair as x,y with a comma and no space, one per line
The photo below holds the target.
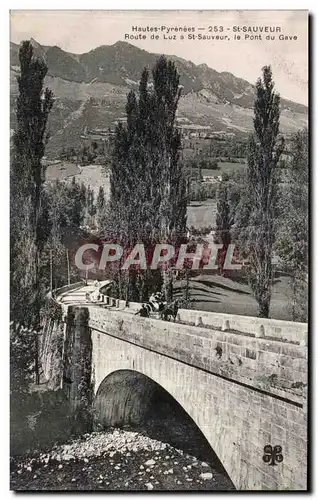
115,460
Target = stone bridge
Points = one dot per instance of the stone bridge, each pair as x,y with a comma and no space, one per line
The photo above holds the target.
242,380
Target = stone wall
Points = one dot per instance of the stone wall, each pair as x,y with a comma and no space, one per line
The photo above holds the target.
51,351
288,331
269,365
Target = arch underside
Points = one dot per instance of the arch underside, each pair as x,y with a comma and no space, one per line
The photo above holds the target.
130,398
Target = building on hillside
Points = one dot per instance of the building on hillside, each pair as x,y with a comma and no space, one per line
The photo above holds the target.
193,131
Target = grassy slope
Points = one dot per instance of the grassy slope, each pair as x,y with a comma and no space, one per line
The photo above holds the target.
219,294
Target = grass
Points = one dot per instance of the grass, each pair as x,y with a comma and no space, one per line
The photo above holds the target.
61,171
220,294
202,214
227,167
91,175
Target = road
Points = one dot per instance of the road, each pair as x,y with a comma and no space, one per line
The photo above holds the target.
78,297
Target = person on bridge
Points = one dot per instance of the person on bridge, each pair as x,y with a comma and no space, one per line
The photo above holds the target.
143,312
156,301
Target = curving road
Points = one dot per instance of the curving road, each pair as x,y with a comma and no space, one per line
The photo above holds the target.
77,296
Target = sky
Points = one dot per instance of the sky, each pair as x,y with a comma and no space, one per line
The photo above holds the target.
83,30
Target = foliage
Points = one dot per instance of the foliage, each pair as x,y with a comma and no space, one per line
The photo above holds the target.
292,241
259,206
224,220
28,210
66,214
52,310
201,191
226,149
38,420
148,186
22,345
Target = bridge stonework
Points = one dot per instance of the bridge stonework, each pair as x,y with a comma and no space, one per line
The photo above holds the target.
243,391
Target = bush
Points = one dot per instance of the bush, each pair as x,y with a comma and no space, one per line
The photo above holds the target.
38,420
214,165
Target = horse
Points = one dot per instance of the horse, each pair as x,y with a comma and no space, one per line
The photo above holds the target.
165,311
170,311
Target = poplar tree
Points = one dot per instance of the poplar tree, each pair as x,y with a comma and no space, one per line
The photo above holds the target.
224,219
292,241
261,202
148,199
28,213
28,210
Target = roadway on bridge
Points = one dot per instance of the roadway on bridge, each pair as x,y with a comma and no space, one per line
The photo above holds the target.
78,296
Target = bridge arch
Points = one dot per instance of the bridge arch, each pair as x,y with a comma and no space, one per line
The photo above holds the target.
129,397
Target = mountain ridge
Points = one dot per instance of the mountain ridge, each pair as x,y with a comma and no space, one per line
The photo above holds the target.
87,68
90,91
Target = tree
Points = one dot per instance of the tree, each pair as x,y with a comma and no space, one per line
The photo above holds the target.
292,242
28,213
66,204
148,196
257,225
100,201
224,219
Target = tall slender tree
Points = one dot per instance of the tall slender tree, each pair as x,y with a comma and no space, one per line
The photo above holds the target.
259,215
224,219
28,213
148,187
292,241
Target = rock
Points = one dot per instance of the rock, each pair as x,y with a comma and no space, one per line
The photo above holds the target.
149,486
150,462
204,464
35,476
60,466
170,471
141,467
206,475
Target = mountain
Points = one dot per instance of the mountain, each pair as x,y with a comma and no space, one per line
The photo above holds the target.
90,91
